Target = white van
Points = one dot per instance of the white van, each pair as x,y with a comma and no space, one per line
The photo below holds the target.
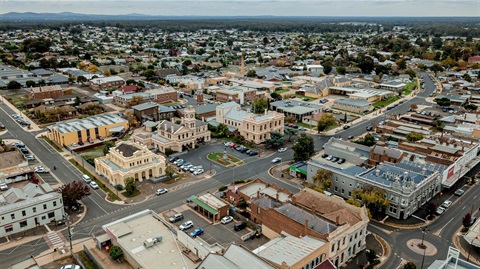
87,179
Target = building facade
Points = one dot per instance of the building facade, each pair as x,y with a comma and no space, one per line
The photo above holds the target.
97,84
353,105
44,92
152,112
161,95
129,159
80,130
29,207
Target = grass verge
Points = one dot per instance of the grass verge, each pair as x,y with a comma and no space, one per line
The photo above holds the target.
110,195
387,102
87,262
53,144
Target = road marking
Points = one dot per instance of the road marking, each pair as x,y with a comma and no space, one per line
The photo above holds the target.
464,207
474,196
98,205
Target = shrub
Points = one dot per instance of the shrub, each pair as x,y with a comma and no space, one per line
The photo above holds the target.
222,188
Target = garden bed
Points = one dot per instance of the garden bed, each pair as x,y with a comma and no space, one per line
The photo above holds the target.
218,158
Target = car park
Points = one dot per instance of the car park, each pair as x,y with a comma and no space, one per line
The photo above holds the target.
3,187
440,210
282,149
459,192
196,232
239,226
161,191
94,185
176,217
447,203
277,160
226,219
186,225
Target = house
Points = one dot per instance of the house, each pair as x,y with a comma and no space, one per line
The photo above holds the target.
210,206
176,137
359,106
158,95
44,92
393,85
97,84
81,130
129,160
29,207
152,112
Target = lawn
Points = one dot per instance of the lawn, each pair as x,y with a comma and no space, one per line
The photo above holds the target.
218,157
281,91
96,151
386,102
410,87
305,125
17,99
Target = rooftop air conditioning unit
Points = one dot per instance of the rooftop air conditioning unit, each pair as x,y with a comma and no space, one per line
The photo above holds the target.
152,241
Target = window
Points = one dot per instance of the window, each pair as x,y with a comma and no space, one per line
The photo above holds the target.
349,193
358,243
45,206
24,213
343,241
34,210
8,229
336,189
54,203
51,215
361,232
333,247
23,224
43,217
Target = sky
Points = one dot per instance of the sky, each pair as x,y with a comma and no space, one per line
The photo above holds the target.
389,8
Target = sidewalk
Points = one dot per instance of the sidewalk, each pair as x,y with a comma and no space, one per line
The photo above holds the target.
33,126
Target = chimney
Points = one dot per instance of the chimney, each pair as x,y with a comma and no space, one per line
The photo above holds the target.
293,200
203,119
242,72
314,210
276,197
258,194
172,129
305,227
337,220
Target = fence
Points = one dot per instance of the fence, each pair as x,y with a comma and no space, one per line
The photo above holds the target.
89,254
79,261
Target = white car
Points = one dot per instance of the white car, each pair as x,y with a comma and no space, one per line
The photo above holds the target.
40,169
277,160
3,187
29,157
282,149
94,185
71,266
227,144
198,171
161,191
227,219
74,145
187,225
447,203
440,210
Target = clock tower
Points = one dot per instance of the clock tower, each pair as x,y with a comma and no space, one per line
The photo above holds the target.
189,114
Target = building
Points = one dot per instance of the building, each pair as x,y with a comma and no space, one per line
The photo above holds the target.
44,92
12,165
369,95
146,239
380,154
210,206
238,94
253,127
152,112
234,257
296,109
453,261
128,159
104,83
473,60
176,137
292,252
160,95
81,130
358,106
29,207
393,85
256,189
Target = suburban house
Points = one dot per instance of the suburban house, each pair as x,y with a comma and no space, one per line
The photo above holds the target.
97,84
128,159
254,127
29,207
81,130
177,137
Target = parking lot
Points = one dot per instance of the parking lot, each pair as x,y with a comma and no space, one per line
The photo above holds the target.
223,234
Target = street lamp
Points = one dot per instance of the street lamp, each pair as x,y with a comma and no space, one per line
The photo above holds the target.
70,231
421,245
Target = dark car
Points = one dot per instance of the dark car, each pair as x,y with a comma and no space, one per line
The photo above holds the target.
346,127
253,153
369,128
196,232
81,143
325,155
244,150
239,226
172,159
350,137
248,151
342,160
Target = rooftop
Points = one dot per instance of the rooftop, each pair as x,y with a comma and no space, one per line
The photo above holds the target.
126,149
315,223
87,123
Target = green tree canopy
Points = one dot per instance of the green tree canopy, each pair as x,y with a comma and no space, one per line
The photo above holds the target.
443,101
323,178
409,265
130,185
373,198
414,137
251,73
325,121
467,221
169,172
303,148
13,85
259,105
275,140
107,146
289,132
341,70
115,252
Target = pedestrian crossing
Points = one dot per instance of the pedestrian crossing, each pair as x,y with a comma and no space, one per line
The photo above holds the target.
55,240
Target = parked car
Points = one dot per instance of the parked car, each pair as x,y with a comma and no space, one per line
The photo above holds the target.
239,226
70,266
447,203
350,137
172,159
474,219
226,219
334,159
18,144
244,150
94,185
369,128
177,161
187,167
302,128
161,191
346,127
39,169
253,153
74,145
101,138
329,158
341,160
277,160
193,168
29,157
86,178
459,192
81,143
186,225
196,232
282,149
3,187
324,155
176,217
198,171
440,210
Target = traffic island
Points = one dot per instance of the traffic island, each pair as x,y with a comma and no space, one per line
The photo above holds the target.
422,247
224,159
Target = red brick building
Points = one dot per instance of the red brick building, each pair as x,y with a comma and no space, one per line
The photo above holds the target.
44,92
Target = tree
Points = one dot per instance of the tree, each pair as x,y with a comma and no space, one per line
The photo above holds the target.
431,208
467,77
259,105
149,74
323,178
443,101
371,258
130,185
409,265
276,96
436,68
341,70
81,79
73,192
303,148
327,68
222,130
467,221
107,146
411,73
251,73
135,100
13,85
290,119
373,198
289,132
115,252
325,121
92,68
470,107
275,140
414,137
169,172
106,73
30,83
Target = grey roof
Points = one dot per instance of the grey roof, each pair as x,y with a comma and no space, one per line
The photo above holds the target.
87,123
314,222
216,261
244,258
266,202
216,124
41,72
229,105
31,190
289,249
205,108
127,149
388,173
169,125
56,79
394,153
357,102
236,115
144,106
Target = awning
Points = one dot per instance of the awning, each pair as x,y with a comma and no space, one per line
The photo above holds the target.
204,205
117,129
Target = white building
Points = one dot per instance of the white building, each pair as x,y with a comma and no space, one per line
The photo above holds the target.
26,208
